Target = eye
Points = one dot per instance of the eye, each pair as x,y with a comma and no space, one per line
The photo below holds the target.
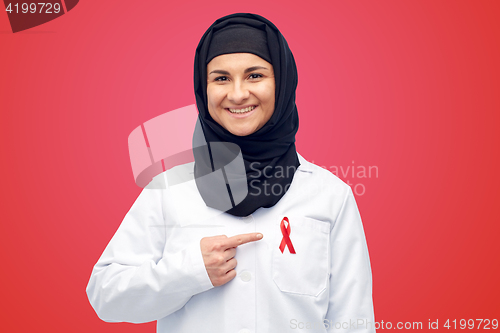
255,76
221,78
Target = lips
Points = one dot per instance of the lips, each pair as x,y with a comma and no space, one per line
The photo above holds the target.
241,112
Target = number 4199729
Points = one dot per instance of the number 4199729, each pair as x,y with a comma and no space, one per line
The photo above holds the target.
34,8
484,324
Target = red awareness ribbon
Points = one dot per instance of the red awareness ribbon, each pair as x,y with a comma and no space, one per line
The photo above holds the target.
286,230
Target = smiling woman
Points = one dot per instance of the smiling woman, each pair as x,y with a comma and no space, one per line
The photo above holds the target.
240,91
292,250
245,80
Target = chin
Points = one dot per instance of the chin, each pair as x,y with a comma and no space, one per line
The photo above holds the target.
241,131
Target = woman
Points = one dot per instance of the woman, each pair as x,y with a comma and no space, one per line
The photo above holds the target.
289,253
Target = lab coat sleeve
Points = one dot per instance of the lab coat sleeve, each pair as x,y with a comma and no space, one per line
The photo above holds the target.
350,303
136,280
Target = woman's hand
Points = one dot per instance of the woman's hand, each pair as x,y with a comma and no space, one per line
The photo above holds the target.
218,255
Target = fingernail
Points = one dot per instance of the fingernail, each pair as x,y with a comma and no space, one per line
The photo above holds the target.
259,236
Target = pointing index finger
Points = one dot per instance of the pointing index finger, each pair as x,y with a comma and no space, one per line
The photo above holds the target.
243,239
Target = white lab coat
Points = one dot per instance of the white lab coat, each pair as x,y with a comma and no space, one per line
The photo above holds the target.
153,269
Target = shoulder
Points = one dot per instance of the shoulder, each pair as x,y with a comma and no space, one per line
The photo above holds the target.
321,175
316,192
176,175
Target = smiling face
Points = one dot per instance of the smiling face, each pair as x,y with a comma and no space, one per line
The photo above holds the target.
240,92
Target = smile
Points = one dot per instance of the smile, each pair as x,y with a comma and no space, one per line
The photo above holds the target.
245,110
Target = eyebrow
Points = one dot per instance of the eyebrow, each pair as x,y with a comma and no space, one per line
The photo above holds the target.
248,70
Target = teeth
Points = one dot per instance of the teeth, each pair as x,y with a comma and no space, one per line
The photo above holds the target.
250,108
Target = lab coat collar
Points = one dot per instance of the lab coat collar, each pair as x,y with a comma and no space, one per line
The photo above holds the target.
304,165
188,206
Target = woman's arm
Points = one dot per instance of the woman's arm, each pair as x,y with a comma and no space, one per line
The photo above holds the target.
350,304
136,280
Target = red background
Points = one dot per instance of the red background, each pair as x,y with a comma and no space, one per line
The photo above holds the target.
411,87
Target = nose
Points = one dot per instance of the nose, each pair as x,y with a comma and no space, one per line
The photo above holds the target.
238,92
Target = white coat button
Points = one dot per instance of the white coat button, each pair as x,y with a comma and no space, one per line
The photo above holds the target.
245,276
247,219
244,331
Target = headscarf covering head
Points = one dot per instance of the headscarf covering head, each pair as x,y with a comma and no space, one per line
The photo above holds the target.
239,38
272,147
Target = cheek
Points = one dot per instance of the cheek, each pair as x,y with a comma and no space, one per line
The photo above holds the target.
266,92
267,96
214,96
269,101
211,98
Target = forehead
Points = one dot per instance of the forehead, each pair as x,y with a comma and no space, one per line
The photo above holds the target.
237,61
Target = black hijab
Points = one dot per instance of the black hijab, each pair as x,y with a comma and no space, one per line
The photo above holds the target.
269,155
